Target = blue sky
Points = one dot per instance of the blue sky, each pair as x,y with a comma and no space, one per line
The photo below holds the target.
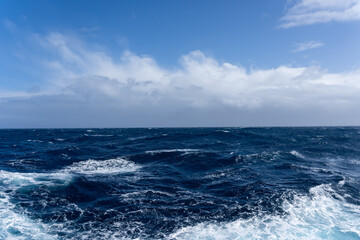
179,63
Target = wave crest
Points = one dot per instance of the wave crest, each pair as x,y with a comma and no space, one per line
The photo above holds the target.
110,166
322,215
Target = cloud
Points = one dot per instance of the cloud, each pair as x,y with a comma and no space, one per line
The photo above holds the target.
10,25
299,47
306,12
86,85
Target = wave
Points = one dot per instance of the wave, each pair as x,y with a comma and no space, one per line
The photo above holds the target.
323,214
15,180
64,176
297,154
98,135
18,226
187,150
137,138
15,223
34,140
224,131
111,166
222,183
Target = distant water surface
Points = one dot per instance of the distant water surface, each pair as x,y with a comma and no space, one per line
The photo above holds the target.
194,183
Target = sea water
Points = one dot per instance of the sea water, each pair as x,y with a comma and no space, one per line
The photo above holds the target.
191,183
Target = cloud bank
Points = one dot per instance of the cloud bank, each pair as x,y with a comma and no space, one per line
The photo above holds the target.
306,12
88,87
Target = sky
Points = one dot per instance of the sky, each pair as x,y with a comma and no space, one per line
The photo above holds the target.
203,63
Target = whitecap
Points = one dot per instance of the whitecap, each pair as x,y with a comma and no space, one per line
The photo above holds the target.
137,138
342,182
263,156
322,214
186,150
18,226
297,154
224,131
15,180
100,135
354,161
34,140
110,166
15,224
143,193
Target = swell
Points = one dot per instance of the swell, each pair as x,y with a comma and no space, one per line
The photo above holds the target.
44,205
223,183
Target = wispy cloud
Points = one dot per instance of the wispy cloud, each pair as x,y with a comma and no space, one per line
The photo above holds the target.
10,25
299,47
306,12
137,88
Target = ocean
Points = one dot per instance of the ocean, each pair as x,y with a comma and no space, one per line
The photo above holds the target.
180,183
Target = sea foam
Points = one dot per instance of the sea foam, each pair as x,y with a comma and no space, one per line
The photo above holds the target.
322,214
14,224
188,150
110,166
15,180
18,226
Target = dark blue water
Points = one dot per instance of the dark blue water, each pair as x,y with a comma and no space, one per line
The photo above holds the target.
196,183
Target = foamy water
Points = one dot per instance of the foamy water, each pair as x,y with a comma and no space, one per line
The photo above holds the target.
111,166
322,214
15,224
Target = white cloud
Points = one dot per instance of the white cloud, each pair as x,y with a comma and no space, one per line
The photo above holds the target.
199,80
91,79
306,12
299,47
